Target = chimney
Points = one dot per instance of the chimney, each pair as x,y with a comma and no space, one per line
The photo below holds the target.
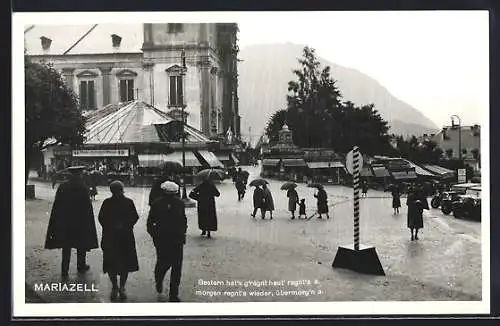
116,40
46,42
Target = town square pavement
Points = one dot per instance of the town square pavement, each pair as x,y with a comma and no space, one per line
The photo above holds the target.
245,255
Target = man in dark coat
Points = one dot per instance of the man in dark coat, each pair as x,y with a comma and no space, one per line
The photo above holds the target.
167,225
118,216
258,201
71,223
241,183
416,205
205,195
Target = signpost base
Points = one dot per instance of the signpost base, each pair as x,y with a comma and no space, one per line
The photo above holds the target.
365,260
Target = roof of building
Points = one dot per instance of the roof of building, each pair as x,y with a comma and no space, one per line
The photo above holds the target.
83,39
133,122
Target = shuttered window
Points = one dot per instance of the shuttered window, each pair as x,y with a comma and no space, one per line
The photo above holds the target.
87,95
175,91
126,90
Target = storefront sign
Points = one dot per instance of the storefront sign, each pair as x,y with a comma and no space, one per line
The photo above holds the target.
100,152
462,175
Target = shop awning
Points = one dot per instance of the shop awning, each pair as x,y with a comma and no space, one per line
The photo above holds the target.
438,170
366,172
155,160
404,175
211,159
294,162
380,172
223,156
324,165
419,171
270,162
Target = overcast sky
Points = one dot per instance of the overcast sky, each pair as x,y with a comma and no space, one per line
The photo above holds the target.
436,61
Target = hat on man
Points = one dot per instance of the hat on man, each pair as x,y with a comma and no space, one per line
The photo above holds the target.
169,187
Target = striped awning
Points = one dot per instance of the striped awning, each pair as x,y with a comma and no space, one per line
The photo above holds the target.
380,171
420,171
404,175
151,160
270,162
324,165
294,162
443,172
211,159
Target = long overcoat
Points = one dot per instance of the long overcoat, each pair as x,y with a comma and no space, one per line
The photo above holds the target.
322,202
167,223
293,199
268,204
258,197
205,195
118,216
72,223
415,210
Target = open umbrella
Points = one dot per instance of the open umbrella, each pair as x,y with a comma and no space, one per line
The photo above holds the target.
258,182
315,185
288,186
211,174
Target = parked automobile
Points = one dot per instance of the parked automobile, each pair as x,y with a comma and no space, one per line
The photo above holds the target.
448,197
462,187
467,206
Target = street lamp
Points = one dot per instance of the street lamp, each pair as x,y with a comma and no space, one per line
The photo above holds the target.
459,134
187,201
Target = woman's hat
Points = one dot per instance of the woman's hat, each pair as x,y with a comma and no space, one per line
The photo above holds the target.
169,187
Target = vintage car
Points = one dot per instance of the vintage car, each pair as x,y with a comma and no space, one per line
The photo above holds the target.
448,197
468,205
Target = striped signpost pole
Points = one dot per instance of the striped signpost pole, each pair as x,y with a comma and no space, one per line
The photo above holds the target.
352,257
355,175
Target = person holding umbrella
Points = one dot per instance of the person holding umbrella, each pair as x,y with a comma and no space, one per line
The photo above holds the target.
205,194
258,200
118,216
72,223
268,204
293,197
322,202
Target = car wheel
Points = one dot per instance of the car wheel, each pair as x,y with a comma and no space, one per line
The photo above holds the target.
435,202
446,210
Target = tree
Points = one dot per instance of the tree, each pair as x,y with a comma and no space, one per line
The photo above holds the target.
275,124
51,110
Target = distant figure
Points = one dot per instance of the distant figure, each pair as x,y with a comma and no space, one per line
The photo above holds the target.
72,223
302,208
118,216
258,201
205,195
167,225
322,202
396,199
241,183
293,200
268,203
364,188
92,184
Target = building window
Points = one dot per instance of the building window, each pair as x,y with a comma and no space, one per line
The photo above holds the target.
175,91
126,90
87,95
174,28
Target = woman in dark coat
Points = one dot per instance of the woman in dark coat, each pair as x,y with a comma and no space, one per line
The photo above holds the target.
118,216
293,200
205,195
415,210
396,199
258,199
72,223
268,203
322,202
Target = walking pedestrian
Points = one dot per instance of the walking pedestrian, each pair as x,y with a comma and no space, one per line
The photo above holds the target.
322,202
415,211
258,200
293,200
117,217
205,195
268,203
364,188
167,225
241,184
302,208
396,199
71,223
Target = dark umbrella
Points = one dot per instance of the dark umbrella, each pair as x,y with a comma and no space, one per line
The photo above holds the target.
211,174
288,186
258,182
315,185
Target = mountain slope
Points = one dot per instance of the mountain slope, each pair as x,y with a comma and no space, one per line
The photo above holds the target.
266,70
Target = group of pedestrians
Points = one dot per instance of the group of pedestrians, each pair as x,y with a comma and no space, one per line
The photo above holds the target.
72,225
